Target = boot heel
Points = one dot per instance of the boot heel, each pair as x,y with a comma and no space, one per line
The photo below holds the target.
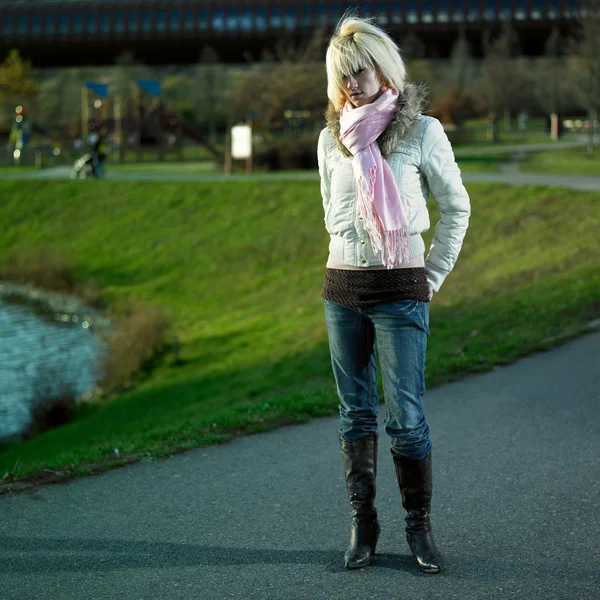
374,546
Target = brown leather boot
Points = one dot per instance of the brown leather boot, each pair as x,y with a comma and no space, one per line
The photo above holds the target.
415,482
360,467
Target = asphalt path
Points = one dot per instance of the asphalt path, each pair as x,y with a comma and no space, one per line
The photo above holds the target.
516,508
576,182
576,141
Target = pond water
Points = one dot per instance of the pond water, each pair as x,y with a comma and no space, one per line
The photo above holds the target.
42,353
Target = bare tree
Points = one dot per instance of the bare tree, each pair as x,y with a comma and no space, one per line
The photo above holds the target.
461,63
498,83
455,82
60,97
586,64
292,81
411,47
551,80
205,94
123,75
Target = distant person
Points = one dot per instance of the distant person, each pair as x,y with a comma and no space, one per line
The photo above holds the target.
99,155
378,160
15,137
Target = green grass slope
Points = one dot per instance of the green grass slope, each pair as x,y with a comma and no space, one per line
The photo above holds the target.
574,161
239,267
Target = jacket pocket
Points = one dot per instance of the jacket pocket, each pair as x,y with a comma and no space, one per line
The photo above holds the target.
340,213
412,188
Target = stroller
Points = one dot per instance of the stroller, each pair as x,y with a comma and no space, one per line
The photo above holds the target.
85,167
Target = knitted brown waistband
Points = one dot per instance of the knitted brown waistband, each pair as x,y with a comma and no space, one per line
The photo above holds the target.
361,289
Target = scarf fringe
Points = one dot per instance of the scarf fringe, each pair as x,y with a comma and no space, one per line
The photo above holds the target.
392,246
396,248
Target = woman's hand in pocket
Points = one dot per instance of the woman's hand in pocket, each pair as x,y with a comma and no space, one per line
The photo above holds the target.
430,291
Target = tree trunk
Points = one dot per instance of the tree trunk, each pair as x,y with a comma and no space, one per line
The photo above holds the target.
507,120
554,127
492,134
591,132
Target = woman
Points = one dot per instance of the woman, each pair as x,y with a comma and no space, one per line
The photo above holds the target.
378,160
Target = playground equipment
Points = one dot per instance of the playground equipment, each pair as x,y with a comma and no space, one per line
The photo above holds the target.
97,110
136,125
157,125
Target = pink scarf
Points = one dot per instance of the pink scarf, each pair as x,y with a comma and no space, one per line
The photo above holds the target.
379,200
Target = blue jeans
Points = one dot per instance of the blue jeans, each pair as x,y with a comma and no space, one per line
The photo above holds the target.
400,331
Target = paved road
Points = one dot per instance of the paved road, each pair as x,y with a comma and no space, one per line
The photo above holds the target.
512,178
63,172
146,175
574,182
576,142
516,508
510,175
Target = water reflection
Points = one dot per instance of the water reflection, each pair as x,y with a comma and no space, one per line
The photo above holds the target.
41,352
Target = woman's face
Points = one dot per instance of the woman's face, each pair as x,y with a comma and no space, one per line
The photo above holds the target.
362,87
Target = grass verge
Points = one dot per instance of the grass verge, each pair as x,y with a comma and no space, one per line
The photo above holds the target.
574,161
238,266
17,169
484,163
207,166
479,136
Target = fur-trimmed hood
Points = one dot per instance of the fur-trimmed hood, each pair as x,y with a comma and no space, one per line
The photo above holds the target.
410,105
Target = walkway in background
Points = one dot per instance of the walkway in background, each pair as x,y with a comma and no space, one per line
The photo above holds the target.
510,176
575,182
515,511
578,142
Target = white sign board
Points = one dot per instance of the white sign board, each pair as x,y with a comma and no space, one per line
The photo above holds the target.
241,141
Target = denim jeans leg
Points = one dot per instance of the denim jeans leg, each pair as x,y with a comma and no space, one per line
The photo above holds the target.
401,331
351,343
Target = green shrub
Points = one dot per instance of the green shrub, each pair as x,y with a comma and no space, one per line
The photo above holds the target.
54,400
138,336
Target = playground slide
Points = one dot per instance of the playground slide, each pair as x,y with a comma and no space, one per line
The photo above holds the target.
193,134
188,131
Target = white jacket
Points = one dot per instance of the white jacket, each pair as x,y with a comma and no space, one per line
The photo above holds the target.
421,159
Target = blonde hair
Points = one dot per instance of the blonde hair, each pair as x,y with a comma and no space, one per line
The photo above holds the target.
358,43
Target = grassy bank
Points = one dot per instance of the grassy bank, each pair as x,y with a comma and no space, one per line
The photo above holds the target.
479,137
16,169
238,268
574,161
482,163
207,166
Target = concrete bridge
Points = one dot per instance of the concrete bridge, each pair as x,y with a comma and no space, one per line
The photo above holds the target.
71,32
